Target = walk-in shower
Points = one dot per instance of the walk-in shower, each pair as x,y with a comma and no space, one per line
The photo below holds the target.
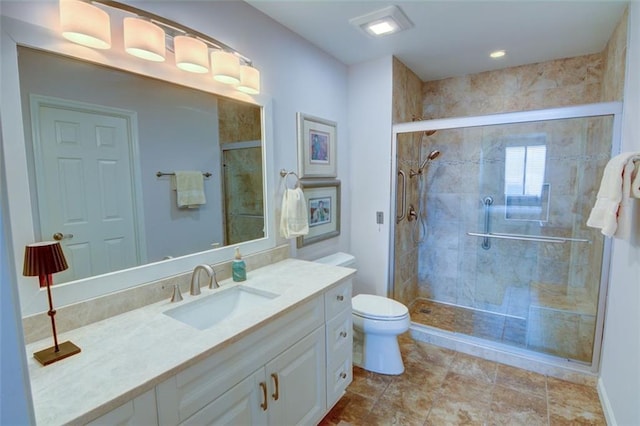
505,259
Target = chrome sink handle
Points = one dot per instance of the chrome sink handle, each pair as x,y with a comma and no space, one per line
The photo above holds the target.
213,281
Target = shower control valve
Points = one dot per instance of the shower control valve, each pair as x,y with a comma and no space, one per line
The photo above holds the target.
412,215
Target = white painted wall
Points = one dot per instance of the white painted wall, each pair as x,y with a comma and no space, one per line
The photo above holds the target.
15,391
370,116
619,383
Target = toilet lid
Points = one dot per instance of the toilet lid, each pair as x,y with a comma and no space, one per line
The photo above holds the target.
377,307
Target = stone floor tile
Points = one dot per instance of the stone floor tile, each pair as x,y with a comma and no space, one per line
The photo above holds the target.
368,384
434,355
460,386
521,380
514,408
563,393
386,413
566,415
410,396
457,409
475,367
351,409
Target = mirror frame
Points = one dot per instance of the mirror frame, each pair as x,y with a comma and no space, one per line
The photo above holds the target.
33,299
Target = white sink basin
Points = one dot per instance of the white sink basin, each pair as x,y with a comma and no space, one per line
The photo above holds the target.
214,308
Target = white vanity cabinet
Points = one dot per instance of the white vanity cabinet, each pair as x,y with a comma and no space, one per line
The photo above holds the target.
288,390
278,374
339,340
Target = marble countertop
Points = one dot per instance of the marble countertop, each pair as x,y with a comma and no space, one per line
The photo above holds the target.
126,355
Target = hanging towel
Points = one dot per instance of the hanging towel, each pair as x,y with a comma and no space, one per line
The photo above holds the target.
294,220
190,189
612,204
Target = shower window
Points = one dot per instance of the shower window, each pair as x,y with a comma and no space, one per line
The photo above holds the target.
526,194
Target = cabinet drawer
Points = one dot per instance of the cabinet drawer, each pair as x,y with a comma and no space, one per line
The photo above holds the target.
339,337
337,299
339,376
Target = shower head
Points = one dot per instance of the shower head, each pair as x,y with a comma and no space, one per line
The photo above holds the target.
432,156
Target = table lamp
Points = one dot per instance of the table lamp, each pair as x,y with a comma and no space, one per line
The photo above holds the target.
42,260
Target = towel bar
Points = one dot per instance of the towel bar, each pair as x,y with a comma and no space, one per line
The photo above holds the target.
205,174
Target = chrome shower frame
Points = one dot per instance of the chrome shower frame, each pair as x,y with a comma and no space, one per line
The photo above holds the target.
490,350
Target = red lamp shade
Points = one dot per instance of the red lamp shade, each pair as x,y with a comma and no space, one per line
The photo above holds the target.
42,259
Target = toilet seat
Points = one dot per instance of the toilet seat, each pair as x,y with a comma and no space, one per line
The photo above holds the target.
378,307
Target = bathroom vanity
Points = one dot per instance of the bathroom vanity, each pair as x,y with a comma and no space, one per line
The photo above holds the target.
284,360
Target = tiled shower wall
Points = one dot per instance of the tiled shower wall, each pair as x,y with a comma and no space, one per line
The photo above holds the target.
407,106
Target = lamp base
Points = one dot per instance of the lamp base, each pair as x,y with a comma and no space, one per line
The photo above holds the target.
49,355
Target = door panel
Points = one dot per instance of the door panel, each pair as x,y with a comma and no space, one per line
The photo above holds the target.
77,150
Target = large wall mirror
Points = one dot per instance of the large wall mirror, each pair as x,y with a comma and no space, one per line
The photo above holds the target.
95,161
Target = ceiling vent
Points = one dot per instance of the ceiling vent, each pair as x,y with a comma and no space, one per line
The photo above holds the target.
383,22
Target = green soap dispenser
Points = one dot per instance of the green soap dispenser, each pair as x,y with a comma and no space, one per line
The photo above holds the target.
238,267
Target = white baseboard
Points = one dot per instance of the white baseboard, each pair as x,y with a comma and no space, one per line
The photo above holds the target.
606,406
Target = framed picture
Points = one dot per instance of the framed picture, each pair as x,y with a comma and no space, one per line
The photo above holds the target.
323,210
316,147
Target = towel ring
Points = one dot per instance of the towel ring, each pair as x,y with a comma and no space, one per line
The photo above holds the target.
285,174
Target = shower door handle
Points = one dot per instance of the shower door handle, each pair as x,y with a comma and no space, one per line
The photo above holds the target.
404,196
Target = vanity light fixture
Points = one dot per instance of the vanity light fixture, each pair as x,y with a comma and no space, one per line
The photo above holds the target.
225,67
148,36
43,260
144,39
85,24
191,54
389,20
496,54
249,80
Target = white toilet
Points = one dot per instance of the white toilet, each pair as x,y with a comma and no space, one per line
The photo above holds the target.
377,322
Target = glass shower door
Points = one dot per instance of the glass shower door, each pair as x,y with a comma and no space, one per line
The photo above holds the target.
509,257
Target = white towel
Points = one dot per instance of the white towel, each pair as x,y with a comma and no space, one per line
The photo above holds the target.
190,189
609,212
294,220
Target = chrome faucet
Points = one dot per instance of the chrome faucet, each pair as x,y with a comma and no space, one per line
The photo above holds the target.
195,279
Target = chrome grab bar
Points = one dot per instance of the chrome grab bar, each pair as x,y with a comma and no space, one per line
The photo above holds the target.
404,196
521,237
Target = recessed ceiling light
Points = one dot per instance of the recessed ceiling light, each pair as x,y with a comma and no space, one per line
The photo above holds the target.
389,20
497,54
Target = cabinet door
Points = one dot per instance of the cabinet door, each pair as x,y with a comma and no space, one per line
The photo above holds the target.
243,404
297,382
138,411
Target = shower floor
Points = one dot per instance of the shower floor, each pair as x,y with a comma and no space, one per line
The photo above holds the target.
485,325
548,329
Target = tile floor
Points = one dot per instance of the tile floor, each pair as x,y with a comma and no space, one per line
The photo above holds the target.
444,387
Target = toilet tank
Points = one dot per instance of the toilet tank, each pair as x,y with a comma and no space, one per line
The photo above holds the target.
339,259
